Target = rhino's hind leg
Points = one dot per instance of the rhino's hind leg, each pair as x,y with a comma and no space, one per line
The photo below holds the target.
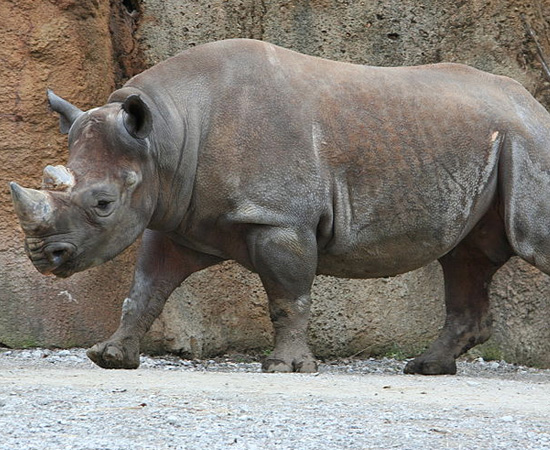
526,191
286,262
162,266
467,271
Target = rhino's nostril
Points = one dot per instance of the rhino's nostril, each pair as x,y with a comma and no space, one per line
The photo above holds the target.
59,253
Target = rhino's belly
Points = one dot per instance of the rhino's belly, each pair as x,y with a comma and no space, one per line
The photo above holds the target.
383,259
380,242
385,240
390,237
386,225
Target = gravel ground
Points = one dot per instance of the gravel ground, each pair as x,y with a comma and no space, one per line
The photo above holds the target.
59,400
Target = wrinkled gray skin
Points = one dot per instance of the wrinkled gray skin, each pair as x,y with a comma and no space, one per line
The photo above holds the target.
296,166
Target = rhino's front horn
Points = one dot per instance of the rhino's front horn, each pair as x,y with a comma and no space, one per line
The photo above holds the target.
33,208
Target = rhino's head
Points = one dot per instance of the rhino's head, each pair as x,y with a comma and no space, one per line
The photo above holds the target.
91,210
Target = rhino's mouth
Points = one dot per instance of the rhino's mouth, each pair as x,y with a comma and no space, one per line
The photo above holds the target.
63,272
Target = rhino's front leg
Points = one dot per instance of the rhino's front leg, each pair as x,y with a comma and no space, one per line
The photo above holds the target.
286,261
161,267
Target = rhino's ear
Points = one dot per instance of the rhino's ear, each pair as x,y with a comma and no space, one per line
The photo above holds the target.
138,119
68,113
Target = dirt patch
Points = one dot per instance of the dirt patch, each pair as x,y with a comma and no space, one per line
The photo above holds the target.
59,400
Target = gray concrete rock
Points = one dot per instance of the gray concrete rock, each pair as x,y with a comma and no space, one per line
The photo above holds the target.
226,308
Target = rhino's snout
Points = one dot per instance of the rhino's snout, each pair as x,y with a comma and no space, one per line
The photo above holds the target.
35,212
51,257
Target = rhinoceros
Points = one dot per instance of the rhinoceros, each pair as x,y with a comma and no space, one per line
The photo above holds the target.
294,166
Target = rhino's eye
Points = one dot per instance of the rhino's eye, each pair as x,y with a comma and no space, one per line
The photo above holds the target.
104,207
103,204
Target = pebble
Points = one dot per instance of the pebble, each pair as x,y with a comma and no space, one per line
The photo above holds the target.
84,418
173,420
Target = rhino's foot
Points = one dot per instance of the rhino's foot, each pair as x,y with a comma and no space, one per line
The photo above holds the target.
426,365
115,355
302,365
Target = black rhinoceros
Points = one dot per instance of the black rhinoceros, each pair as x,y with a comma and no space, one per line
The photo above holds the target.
296,166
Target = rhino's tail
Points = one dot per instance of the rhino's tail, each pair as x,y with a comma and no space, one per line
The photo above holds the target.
524,175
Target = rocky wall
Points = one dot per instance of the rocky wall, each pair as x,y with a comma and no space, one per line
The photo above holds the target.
349,316
64,45
83,49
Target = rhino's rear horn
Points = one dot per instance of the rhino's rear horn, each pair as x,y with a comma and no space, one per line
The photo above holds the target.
68,113
33,208
57,178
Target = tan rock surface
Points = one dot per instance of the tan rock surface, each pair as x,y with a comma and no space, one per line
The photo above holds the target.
66,46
